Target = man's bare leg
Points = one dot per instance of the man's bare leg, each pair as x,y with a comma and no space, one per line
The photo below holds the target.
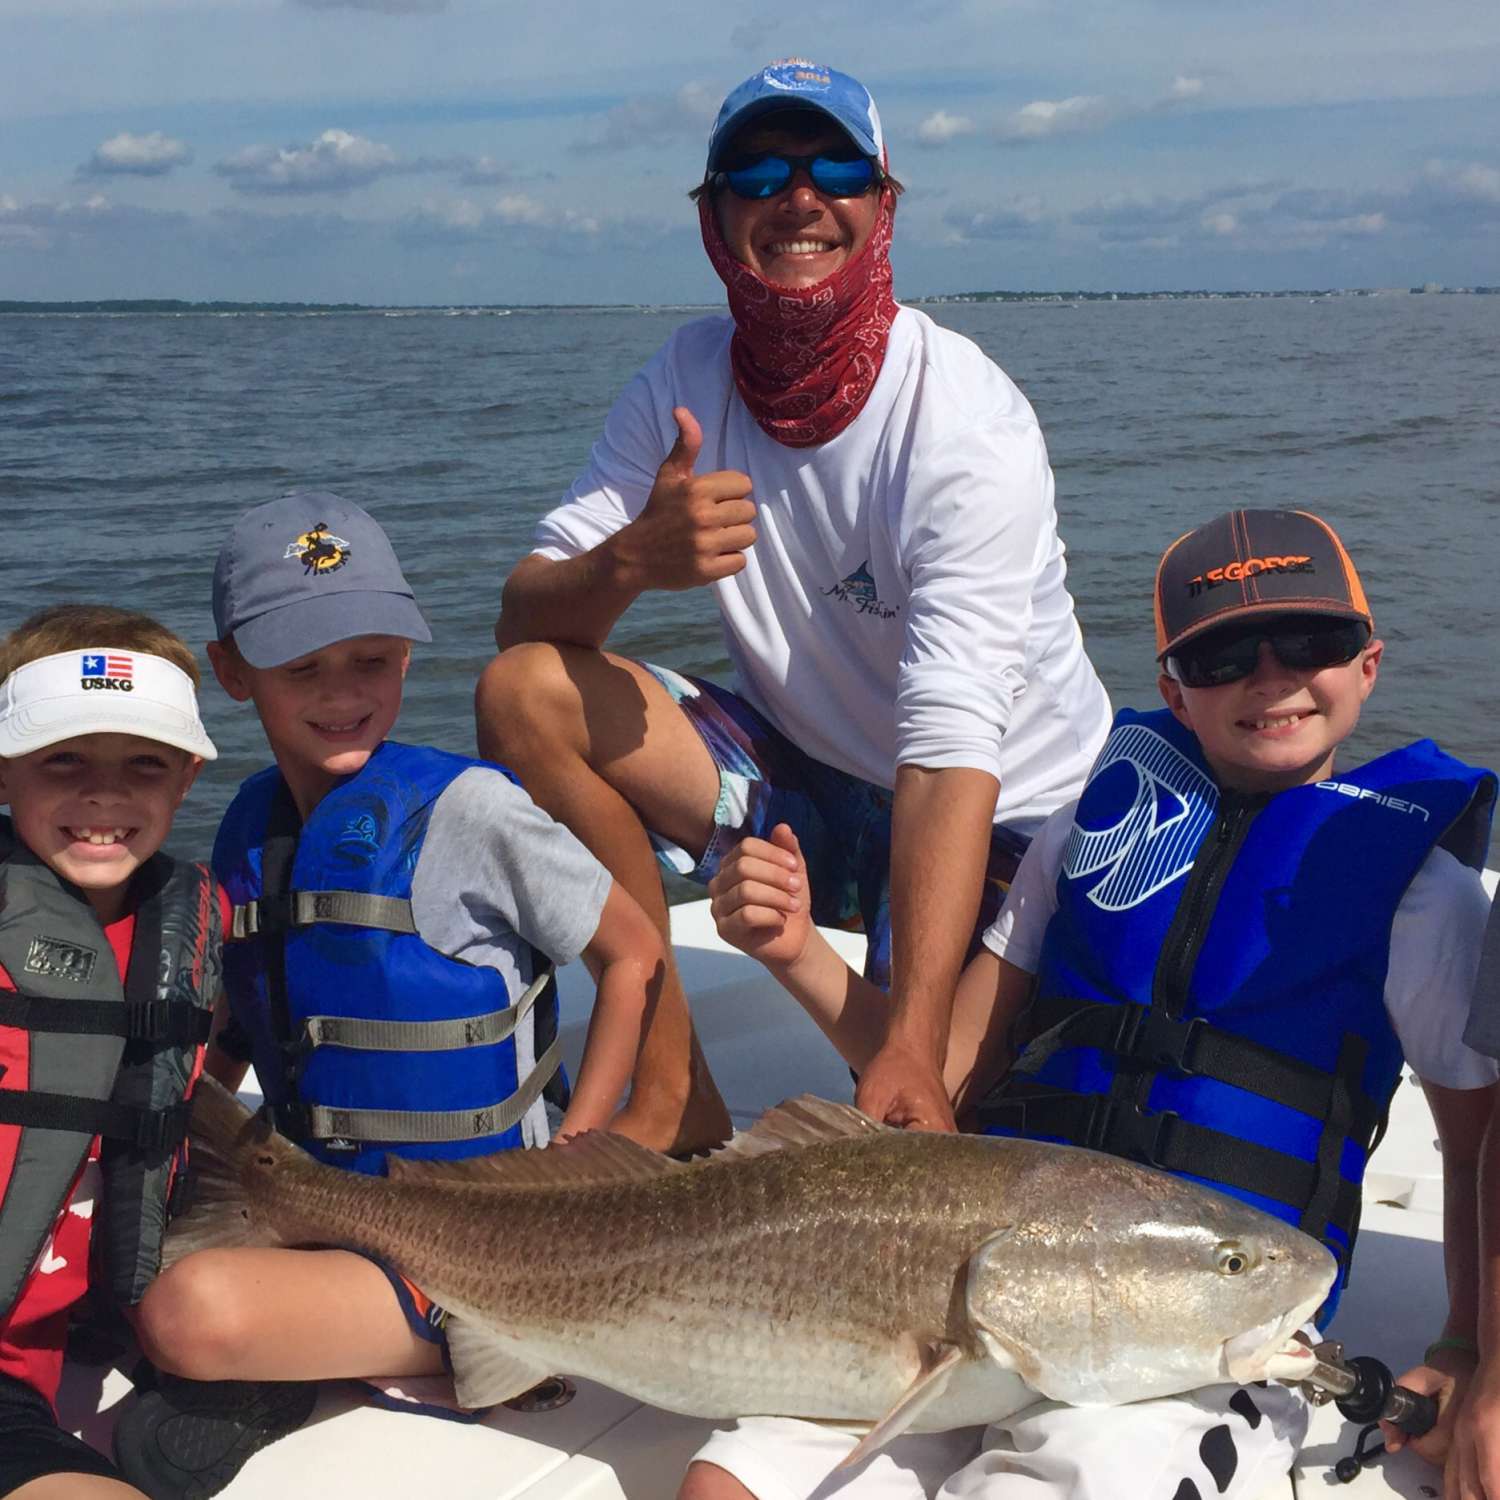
599,743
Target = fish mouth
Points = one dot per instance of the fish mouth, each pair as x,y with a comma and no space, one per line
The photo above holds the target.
1270,1351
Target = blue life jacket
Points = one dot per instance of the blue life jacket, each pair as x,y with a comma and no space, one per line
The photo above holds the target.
1210,994
366,1040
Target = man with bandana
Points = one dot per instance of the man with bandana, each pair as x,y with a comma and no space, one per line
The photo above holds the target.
869,499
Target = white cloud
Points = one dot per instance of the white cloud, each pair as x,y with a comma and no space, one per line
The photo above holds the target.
335,162
940,128
655,120
483,170
1221,223
1020,218
1471,182
1184,89
137,155
1044,118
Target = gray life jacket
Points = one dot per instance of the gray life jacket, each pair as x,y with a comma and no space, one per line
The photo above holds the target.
104,1058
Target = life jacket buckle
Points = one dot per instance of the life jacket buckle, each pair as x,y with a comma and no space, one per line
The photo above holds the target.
163,1129
1127,1130
1151,1038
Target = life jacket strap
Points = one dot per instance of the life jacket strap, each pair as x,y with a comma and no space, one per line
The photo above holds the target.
1147,1038
369,1035
304,908
319,1122
146,1129
177,1023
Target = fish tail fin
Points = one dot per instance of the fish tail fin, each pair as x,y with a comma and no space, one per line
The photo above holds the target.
228,1146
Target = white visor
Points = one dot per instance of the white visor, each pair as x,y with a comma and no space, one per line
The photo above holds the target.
99,691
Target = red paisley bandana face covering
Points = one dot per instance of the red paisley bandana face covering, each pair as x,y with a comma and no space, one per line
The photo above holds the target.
805,359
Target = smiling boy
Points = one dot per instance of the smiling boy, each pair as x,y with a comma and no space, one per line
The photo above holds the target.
109,965
1230,948
397,913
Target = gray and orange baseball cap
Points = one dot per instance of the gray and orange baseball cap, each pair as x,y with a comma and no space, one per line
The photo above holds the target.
1254,562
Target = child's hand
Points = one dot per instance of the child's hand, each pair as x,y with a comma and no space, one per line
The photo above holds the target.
760,900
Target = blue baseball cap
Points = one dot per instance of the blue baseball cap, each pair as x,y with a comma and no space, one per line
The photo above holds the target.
796,83
302,572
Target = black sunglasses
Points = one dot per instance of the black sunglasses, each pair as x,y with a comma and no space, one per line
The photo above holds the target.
1302,644
836,174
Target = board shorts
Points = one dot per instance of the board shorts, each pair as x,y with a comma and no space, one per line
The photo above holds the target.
1222,1442
33,1446
842,822
429,1395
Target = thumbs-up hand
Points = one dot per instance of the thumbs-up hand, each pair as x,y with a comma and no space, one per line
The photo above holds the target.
694,528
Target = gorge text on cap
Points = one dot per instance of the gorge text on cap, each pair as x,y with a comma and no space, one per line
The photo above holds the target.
1254,562
302,572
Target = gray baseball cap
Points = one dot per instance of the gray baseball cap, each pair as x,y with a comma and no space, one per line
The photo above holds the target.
302,572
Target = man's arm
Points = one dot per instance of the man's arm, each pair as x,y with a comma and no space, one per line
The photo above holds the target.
694,529
940,837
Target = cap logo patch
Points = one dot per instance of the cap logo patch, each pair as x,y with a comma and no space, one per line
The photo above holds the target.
106,671
318,550
1237,572
796,72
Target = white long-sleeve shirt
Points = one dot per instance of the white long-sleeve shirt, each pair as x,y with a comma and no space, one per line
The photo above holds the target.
905,600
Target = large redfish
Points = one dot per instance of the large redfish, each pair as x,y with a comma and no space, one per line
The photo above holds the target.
821,1265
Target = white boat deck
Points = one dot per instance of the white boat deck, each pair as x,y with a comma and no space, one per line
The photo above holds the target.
604,1446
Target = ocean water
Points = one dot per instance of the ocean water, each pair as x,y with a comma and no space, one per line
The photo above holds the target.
128,443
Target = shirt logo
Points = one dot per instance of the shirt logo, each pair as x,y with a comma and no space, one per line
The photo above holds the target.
858,591
1154,840
318,550
104,670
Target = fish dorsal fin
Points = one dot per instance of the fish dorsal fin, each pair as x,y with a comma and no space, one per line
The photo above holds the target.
592,1159
803,1121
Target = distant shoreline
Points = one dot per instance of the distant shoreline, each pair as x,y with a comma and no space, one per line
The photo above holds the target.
175,306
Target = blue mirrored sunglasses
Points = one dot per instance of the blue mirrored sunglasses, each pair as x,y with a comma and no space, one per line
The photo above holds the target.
843,175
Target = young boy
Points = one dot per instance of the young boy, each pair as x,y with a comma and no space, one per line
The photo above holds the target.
1230,949
396,911
109,972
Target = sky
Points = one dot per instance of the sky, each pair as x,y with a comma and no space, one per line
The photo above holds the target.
536,151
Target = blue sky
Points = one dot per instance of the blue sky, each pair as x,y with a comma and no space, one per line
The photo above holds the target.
510,151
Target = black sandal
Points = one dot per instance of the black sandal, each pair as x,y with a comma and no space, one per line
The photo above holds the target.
186,1439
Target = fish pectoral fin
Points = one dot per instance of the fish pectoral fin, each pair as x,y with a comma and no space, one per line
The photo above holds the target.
933,1380
803,1121
486,1368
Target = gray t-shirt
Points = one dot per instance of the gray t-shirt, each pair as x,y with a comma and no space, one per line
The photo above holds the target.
495,874
1483,1030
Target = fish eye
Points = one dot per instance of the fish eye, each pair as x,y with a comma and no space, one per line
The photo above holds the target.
1232,1259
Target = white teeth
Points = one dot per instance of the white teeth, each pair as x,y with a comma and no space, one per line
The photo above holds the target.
1279,721
100,835
800,247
